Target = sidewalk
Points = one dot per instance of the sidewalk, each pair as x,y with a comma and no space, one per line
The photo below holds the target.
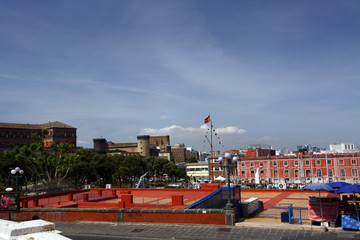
244,230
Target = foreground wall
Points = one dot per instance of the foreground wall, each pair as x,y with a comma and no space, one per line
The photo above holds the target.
187,216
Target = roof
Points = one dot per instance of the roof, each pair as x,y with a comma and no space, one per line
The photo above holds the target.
56,124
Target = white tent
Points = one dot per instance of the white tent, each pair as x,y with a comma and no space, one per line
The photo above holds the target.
257,177
220,178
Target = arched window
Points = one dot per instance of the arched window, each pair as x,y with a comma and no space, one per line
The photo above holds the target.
308,173
318,173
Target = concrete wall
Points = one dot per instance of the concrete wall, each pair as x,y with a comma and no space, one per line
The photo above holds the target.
186,216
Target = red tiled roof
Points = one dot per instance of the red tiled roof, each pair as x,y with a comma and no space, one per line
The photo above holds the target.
56,124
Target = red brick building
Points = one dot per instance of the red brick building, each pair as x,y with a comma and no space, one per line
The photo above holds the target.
14,134
179,153
300,168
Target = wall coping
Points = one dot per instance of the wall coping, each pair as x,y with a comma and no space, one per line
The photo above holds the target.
129,210
17,230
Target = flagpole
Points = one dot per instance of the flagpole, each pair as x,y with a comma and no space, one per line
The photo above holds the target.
211,153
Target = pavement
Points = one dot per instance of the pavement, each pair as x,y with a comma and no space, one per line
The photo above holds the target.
242,230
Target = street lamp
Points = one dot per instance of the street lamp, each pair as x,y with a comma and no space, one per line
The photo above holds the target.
17,172
230,164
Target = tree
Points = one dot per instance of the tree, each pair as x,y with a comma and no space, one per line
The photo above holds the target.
170,169
52,165
122,173
192,159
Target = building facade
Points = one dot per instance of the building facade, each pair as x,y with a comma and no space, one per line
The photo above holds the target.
179,153
300,168
147,146
14,134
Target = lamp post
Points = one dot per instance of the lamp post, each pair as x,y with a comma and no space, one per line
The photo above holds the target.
17,172
230,164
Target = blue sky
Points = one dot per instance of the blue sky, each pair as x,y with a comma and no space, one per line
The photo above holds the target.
282,73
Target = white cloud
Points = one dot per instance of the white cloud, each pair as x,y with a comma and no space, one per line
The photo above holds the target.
176,130
163,117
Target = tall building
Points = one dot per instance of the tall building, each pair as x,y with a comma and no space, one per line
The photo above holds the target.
179,153
15,134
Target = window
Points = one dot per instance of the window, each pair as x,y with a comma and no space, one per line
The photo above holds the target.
318,162
318,173
296,173
285,163
191,169
252,172
286,171
329,161
243,172
252,164
275,172
330,173
353,161
65,133
354,172
275,164
261,172
296,163
243,164
308,173
341,161
342,172
217,169
261,164
307,163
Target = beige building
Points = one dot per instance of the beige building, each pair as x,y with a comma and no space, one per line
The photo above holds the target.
147,146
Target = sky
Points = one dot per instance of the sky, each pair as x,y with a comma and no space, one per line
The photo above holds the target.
281,73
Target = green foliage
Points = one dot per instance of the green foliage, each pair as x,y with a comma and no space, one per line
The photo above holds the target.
192,159
52,166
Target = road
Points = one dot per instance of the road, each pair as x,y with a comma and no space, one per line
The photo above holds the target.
150,231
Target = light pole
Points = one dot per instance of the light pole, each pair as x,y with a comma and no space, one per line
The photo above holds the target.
17,172
230,164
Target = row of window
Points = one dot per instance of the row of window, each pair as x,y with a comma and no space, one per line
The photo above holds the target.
28,135
342,172
197,169
57,134
307,163
16,135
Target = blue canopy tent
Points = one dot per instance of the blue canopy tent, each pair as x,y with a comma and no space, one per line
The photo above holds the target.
351,188
338,184
319,187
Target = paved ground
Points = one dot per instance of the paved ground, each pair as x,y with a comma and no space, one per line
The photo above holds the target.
80,230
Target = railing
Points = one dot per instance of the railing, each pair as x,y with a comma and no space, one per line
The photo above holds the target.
297,214
274,210
301,215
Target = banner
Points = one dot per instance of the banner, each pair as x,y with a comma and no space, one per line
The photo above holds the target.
9,202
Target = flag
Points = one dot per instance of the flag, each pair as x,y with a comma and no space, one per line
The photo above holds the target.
207,119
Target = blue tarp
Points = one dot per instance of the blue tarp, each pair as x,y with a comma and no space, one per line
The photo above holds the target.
219,198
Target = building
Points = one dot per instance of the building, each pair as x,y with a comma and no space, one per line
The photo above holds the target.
15,134
343,148
147,146
300,169
179,153
198,171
